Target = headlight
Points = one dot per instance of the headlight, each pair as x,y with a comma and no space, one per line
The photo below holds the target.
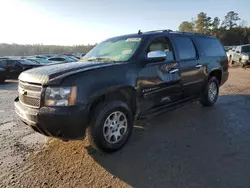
60,96
245,57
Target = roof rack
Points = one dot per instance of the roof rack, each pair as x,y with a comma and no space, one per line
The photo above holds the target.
162,30
170,31
188,33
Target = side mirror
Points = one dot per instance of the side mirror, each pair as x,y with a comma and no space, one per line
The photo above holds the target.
155,56
237,52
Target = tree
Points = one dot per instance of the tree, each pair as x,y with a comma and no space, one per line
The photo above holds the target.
216,23
243,24
203,23
231,20
186,26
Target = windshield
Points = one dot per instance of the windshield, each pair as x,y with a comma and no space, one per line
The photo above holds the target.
116,50
246,48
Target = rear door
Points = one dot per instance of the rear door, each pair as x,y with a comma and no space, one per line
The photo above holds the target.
159,82
191,67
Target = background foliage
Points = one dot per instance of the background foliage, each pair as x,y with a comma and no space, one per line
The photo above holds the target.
24,50
231,31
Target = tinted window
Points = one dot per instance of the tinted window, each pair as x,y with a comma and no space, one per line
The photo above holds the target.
211,47
185,48
246,49
11,63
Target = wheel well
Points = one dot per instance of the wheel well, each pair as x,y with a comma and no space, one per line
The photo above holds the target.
127,95
216,74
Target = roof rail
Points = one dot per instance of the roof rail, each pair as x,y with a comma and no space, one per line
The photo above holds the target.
188,33
162,30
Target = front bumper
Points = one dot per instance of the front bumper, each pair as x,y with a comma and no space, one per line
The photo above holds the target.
66,123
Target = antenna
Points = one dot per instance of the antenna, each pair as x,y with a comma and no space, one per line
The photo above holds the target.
139,32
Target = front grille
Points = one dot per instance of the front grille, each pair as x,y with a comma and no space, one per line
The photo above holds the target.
30,87
30,94
30,101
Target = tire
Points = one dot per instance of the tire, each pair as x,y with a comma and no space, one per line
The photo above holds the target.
104,122
209,97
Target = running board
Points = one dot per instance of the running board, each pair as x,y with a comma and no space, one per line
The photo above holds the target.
165,108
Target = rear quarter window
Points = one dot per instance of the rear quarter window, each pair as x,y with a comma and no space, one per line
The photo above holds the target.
210,47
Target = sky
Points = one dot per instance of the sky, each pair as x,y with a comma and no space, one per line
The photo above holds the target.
73,22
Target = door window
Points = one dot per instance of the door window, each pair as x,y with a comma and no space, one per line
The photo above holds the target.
185,48
11,63
161,44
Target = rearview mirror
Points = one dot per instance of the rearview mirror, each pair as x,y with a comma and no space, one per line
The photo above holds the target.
155,56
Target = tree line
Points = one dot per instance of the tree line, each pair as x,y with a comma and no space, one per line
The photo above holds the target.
232,30
37,49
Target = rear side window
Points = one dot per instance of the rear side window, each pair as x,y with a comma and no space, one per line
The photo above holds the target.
211,47
185,48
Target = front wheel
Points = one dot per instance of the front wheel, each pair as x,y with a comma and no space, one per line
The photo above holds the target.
111,126
210,93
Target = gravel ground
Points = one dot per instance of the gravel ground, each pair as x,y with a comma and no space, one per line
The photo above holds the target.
191,146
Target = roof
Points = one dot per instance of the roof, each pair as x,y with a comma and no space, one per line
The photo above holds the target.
161,32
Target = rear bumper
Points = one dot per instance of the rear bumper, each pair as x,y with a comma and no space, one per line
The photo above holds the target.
66,123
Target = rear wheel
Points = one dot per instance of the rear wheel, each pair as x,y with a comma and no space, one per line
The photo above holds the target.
210,93
111,127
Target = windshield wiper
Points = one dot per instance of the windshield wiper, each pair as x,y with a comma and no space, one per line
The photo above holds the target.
101,59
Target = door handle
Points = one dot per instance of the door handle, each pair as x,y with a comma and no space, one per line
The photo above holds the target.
173,71
198,66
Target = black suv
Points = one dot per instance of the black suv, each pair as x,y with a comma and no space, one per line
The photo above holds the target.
11,68
122,79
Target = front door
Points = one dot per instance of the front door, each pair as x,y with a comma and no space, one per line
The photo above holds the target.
159,82
191,67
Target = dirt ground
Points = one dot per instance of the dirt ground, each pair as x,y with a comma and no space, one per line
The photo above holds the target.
191,146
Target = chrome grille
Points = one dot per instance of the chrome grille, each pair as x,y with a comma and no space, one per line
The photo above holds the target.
30,94
30,87
35,102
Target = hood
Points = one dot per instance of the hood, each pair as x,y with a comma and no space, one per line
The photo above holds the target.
43,75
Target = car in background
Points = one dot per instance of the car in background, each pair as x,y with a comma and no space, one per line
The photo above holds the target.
61,59
39,61
241,55
3,58
11,68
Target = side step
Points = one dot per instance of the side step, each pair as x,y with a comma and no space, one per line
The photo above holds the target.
165,108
